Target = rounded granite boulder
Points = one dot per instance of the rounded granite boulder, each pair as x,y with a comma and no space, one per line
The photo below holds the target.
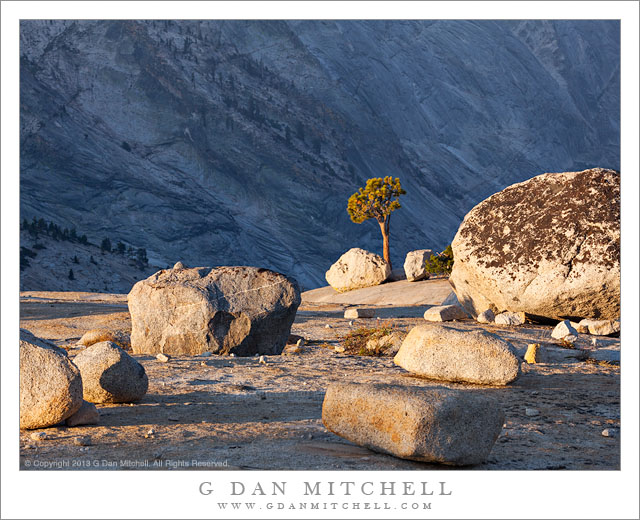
110,375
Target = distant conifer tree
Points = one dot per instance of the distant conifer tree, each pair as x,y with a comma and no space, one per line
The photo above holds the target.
377,200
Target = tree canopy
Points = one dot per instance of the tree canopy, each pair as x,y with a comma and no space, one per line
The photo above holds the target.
376,200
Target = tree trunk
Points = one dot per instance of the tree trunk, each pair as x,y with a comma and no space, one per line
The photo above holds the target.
384,228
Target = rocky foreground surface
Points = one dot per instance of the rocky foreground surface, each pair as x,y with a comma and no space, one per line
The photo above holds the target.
208,412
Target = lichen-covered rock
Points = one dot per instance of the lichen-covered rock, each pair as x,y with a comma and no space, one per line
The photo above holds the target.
414,264
110,375
425,424
226,310
50,384
549,246
448,354
356,269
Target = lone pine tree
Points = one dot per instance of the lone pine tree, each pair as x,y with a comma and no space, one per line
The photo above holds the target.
377,200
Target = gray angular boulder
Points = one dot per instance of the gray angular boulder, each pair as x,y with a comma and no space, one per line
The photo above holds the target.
424,424
226,310
448,354
356,269
563,329
549,246
601,327
50,384
87,414
487,316
110,375
414,264
445,313
510,318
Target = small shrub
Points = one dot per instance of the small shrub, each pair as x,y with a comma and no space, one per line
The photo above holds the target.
565,343
355,342
442,263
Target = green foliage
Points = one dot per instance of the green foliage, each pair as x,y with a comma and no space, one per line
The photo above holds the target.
376,200
106,245
442,263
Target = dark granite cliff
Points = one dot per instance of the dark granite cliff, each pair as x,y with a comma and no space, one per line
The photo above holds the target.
239,142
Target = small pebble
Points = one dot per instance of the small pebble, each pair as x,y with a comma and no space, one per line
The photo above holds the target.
327,326
338,349
39,436
262,361
151,431
351,323
232,355
608,432
300,342
531,412
594,342
172,418
205,354
204,363
163,358
82,441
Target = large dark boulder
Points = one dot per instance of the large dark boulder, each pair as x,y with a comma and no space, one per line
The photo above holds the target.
224,310
549,246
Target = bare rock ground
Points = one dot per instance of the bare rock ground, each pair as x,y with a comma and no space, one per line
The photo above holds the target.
238,413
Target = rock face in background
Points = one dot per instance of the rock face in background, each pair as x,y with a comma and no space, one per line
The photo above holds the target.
50,384
239,142
414,264
549,246
239,310
425,424
356,269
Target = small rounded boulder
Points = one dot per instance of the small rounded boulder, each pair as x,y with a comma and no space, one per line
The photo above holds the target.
110,375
